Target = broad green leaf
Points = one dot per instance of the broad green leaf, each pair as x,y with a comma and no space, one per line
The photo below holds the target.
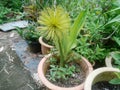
115,81
117,62
116,55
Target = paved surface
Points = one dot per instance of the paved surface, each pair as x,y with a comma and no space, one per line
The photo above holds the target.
18,66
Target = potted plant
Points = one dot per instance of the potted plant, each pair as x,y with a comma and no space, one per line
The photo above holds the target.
101,75
31,36
113,59
61,63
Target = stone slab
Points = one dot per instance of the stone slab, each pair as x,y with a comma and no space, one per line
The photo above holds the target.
13,75
13,25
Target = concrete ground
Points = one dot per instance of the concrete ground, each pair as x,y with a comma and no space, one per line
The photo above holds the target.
18,65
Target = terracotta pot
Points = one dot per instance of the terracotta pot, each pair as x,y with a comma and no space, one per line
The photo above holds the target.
45,48
44,64
100,74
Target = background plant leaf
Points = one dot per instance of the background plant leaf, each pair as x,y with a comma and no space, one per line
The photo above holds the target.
115,81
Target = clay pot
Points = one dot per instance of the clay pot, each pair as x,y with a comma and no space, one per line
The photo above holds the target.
100,74
44,64
45,48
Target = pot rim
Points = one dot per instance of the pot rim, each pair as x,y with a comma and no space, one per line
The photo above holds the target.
54,87
109,59
89,80
43,43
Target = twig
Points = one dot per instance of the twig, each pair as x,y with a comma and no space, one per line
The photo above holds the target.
109,35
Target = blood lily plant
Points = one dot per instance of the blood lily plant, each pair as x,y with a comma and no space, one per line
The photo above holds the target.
57,26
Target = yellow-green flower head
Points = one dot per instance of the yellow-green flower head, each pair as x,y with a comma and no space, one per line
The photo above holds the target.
53,21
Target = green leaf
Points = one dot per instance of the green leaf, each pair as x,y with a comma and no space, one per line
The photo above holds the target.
115,81
116,19
118,74
116,55
117,40
113,10
117,62
68,40
62,69
77,26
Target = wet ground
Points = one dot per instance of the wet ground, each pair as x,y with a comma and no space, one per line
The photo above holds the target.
18,65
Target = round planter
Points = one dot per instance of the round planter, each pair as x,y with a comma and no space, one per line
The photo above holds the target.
44,64
100,74
109,59
45,48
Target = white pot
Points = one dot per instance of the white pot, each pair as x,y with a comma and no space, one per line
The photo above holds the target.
100,74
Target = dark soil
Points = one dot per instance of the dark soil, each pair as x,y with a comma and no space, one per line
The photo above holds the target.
99,64
105,86
76,79
34,47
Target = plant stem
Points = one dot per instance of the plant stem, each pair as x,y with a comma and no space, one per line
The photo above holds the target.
61,54
62,58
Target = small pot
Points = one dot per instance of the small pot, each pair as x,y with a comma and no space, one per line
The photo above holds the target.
44,65
98,75
45,48
109,59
